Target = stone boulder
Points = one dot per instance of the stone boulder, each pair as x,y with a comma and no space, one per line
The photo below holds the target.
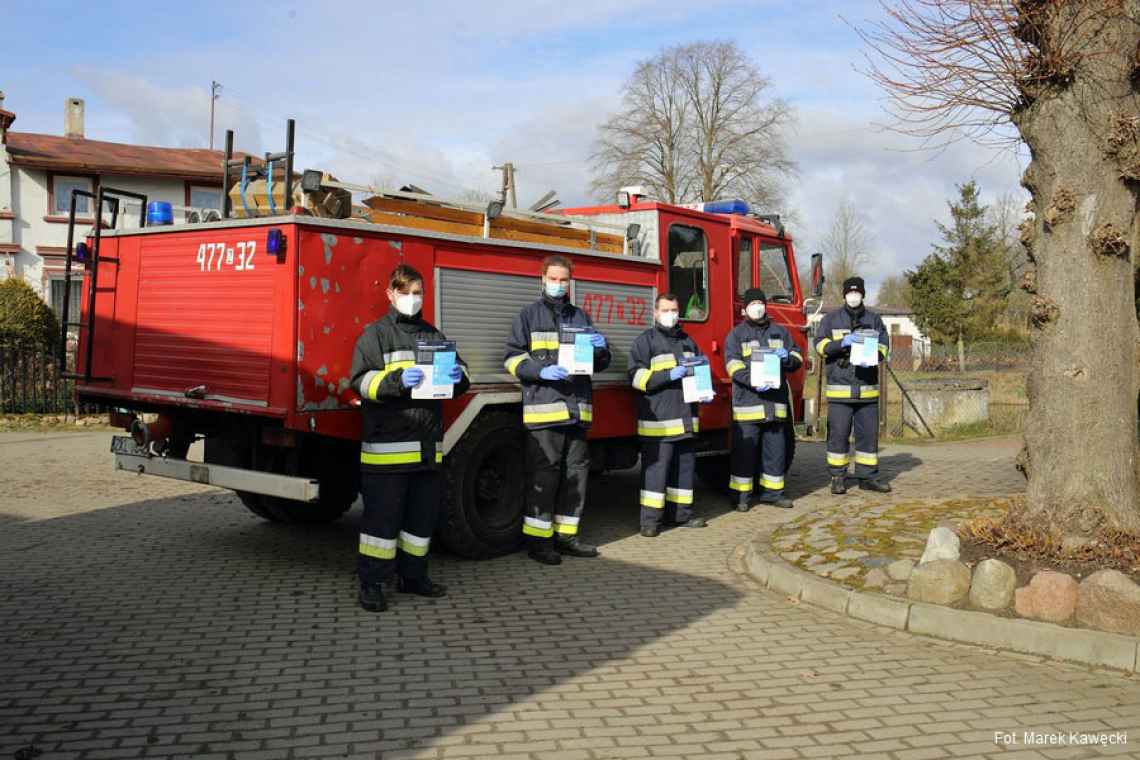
942,543
900,570
993,585
1050,596
875,579
1108,600
943,581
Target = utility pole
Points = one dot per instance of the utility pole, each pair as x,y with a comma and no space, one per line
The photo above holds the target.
508,170
215,93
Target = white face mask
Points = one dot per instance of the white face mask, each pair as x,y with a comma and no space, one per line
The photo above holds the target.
409,304
667,318
755,311
854,299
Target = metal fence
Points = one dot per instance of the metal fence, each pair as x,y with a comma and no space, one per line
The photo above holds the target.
31,383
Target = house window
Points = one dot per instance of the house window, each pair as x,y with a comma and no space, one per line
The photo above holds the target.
204,198
61,195
58,290
688,271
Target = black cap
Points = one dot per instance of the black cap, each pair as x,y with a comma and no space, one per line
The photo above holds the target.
754,294
853,285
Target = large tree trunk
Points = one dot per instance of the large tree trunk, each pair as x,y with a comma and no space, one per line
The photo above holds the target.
1081,434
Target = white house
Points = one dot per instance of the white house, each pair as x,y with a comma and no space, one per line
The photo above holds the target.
906,338
39,171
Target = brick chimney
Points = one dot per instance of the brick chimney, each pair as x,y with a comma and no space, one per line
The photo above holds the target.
6,119
73,118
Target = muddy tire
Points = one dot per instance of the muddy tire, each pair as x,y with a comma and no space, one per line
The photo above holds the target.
484,482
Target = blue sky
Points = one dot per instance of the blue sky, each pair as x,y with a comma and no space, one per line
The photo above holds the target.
435,93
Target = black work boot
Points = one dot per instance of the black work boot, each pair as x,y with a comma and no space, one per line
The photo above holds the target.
838,485
421,587
543,551
693,522
743,502
874,484
777,499
574,547
651,531
371,597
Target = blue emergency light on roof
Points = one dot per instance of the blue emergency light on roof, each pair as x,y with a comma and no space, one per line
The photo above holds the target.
736,206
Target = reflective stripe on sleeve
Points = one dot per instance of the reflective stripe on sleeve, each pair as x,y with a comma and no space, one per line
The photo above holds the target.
376,547
781,411
512,363
734,366
653,499
679,495
395,357
406,452
796,354
439,453
585,412
660,429
532,526
662,361
370,384
696,424
641,379
412,544
538,414
822,345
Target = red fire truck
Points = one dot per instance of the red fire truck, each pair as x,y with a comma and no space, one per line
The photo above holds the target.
241,332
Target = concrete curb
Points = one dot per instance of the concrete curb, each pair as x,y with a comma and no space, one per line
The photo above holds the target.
1108,650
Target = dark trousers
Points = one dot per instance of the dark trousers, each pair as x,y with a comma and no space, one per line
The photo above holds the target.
666,481
400,514
864,417
757,454
557,466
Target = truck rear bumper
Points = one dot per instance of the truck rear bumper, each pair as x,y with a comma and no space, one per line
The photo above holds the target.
234,478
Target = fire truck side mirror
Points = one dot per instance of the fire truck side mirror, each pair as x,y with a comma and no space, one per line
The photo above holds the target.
817,277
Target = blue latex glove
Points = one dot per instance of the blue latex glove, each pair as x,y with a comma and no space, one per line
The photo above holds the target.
677,373
782,353
598,340
456,374
848,339
762,387
554,372
412,377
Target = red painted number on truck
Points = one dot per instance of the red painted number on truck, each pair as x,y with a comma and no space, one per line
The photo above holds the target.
609,309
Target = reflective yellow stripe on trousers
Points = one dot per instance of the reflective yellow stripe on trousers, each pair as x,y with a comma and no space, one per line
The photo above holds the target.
406,452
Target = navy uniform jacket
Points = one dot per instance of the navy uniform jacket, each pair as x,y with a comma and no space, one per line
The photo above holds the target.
845,381
662,414
533,345
400,433
748,404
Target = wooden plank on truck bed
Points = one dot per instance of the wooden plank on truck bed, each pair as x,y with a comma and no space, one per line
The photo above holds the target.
426,210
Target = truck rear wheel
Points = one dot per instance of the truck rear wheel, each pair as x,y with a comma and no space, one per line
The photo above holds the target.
231,453
485,481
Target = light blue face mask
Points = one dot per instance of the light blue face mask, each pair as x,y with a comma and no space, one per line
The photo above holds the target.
555,289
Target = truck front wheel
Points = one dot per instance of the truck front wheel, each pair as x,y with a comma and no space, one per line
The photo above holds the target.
484,480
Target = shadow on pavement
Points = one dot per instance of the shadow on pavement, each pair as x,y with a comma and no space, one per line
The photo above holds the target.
186,623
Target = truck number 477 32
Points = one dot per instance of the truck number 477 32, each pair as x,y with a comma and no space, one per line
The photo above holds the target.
213,256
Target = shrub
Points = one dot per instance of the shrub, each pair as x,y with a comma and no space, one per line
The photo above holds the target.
25,319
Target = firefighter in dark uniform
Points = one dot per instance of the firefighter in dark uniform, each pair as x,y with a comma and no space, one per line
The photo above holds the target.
759,413
852,392
401,447
557,411
665,423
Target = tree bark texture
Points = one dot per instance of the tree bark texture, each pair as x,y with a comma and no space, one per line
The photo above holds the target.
1081,434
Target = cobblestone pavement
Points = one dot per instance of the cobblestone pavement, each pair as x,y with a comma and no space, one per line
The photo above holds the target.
148,619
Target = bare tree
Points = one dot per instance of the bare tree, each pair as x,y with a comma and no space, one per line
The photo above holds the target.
894,291
698,123
1063,74
1007,214
846,250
